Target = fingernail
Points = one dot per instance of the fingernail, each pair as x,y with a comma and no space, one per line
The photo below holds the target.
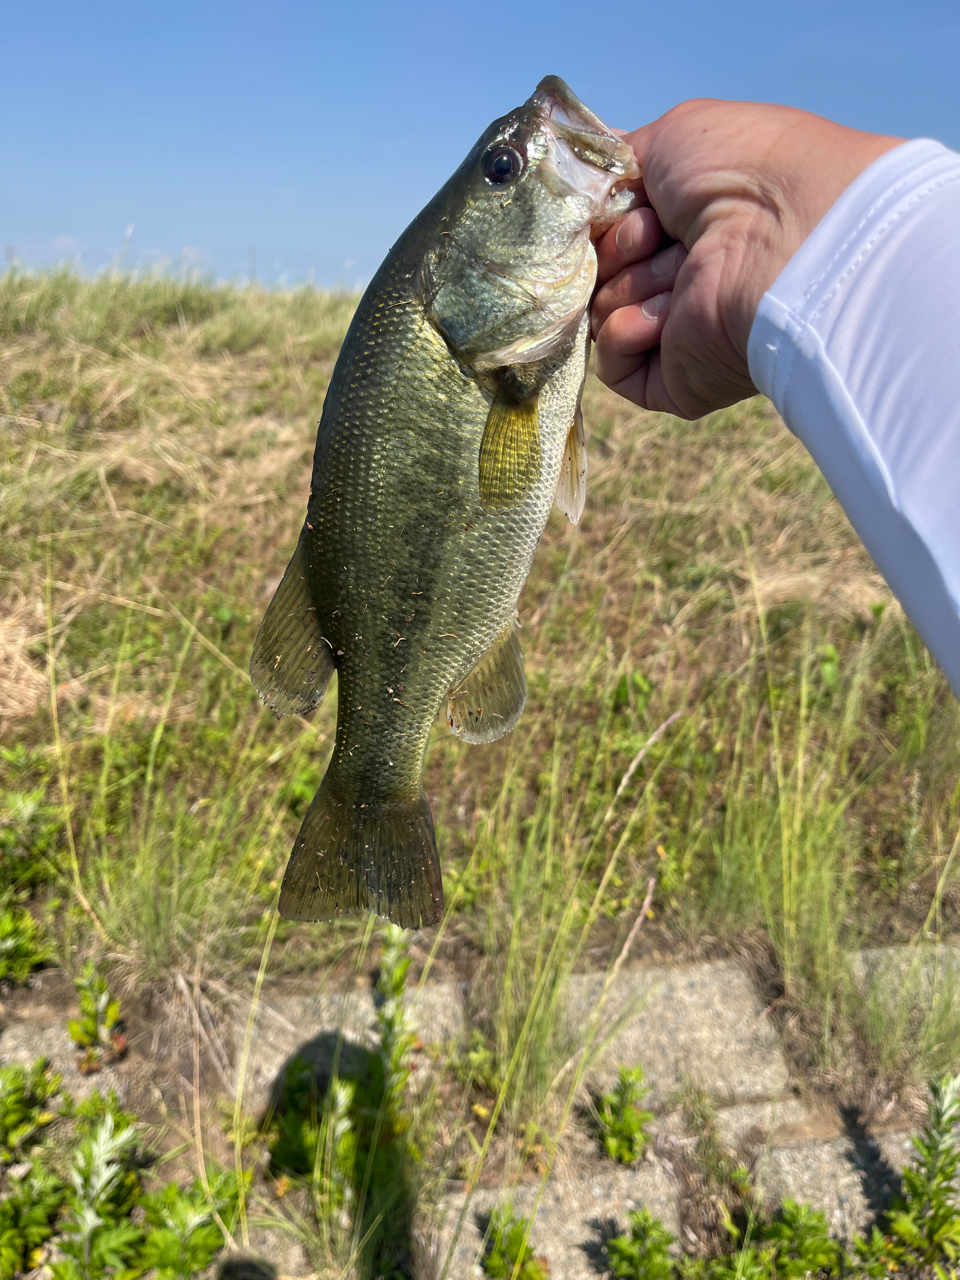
654,307
624,236
664,264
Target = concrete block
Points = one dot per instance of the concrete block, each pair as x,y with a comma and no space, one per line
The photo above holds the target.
24,1042
575,1218
703,1021
336,1027
827,1175
765,1121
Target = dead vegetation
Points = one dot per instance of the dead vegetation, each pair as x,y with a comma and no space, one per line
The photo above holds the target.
156,439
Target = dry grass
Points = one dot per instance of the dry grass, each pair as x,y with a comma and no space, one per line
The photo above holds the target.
156,440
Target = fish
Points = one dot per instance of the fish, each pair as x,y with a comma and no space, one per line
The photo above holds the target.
451,424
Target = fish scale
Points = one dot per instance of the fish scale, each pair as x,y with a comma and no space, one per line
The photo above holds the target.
442,439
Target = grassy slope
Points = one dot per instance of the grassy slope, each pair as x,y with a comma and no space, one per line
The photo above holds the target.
155,442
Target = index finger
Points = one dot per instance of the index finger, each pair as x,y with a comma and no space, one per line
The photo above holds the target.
637,235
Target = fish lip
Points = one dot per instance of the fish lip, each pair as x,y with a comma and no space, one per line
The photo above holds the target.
555,99
571,121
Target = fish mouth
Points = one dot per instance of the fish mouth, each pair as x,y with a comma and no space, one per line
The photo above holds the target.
585,157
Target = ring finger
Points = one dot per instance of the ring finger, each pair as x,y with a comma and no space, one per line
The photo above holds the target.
637,283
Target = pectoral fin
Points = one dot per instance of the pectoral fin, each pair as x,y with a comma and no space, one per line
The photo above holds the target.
572,484
487,704
509,451
291,663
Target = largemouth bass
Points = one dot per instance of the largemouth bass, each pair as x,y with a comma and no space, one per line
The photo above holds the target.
451,424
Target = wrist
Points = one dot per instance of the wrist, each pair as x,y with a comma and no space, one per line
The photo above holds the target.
802,190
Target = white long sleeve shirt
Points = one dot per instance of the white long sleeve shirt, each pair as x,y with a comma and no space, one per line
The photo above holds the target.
857,343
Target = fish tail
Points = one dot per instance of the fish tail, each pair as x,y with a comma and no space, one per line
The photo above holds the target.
378,857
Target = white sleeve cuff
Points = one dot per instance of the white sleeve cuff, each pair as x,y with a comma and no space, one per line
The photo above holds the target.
857,343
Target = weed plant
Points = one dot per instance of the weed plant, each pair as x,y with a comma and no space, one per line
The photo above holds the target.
621,1121
508,1255
642,1252
25,1095
923,1226
22,947
350,1140
83,1185
97,1032
919,1237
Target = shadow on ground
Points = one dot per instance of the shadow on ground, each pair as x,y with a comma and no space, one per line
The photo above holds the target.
604,1229
331,1125
245,1269
881,1182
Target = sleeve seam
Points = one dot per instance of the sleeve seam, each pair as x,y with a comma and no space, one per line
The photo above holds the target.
929,187
881,230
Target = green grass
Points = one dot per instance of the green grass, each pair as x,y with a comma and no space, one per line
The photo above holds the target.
722,696
82,1185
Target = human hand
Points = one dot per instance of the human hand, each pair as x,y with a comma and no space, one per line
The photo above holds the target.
734,188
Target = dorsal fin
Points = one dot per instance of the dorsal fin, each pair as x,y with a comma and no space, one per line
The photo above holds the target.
572,484
291,664
487,703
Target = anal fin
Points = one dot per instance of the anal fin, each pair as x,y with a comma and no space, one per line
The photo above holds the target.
291,664
488,702
572,483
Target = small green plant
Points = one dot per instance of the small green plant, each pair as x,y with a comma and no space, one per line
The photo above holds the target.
477,1064
28,1207
395,1038
641,1253
97,1032
30,832
923,1225
797,1241
22,948
182,1236
509,1256
98,1236
25,1093
792,1245
621,1120
716,1177
333,1177
176,1236
90,1112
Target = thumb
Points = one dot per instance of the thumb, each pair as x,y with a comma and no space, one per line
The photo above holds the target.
640,141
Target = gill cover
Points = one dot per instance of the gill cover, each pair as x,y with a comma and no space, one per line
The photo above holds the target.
513,271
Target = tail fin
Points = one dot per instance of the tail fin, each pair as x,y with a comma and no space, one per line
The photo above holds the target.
348,857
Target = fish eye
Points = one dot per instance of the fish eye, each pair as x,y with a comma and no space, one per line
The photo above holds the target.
501,165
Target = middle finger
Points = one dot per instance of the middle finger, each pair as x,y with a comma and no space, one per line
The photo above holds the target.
636,283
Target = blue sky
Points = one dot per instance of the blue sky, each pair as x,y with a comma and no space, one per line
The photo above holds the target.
315,131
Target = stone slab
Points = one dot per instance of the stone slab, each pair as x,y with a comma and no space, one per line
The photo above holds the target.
702,1021
24,1042
897,984
830,1176
575,1217
336,1026
896,1149
765,1120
